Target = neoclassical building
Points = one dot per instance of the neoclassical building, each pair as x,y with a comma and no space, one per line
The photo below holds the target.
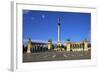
36,46
70,46
78,46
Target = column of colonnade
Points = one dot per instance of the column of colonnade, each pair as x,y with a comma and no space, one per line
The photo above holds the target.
39,48
36,47
77,46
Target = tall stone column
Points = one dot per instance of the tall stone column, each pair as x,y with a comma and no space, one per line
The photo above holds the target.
59,30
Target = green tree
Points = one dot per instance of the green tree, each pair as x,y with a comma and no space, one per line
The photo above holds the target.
85,40
68,39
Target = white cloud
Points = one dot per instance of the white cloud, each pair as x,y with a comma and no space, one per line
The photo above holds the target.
43,16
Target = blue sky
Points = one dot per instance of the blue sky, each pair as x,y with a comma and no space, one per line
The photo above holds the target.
43,25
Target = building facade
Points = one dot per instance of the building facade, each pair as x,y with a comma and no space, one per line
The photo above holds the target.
78,46
70,46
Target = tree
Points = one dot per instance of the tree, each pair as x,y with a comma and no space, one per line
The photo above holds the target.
24,49
68,39
50,40
85,40
53,46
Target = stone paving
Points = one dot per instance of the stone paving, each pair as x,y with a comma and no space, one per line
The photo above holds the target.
55,56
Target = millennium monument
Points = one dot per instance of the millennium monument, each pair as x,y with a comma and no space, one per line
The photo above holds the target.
36,51
47,46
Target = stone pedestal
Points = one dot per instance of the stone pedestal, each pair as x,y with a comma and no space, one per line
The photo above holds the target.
59,43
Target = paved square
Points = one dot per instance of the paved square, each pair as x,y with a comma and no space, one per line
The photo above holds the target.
56,56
